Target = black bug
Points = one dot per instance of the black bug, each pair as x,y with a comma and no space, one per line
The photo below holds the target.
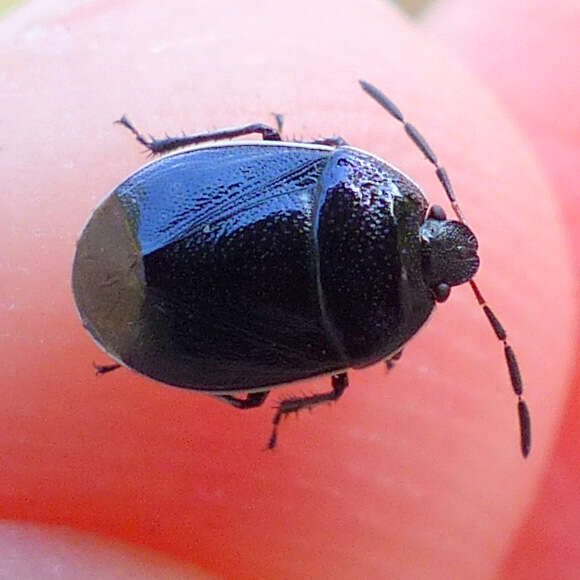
239,266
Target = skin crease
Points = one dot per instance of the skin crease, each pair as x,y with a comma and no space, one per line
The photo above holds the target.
413,475
547,546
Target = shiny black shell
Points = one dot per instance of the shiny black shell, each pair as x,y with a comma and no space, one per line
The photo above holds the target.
246,265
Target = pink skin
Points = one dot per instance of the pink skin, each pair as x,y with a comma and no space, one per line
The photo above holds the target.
411,475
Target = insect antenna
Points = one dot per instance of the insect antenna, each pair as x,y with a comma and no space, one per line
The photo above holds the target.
511,361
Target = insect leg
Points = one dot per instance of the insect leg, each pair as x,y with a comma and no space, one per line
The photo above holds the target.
331,141
252,400
158,146
392,361
103,369
295,404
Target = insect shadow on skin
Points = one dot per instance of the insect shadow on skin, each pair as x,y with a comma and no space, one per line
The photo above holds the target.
297,309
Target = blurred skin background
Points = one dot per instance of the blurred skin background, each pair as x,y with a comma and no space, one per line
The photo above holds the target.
545,544
413,7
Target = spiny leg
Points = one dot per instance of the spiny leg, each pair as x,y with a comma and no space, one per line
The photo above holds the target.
252,400
334,141
513,368
158,146
295,404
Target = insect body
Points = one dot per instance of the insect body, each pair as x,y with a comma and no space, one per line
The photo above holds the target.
239,266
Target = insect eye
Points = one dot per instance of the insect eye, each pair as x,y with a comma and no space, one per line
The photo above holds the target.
442,292
436,212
